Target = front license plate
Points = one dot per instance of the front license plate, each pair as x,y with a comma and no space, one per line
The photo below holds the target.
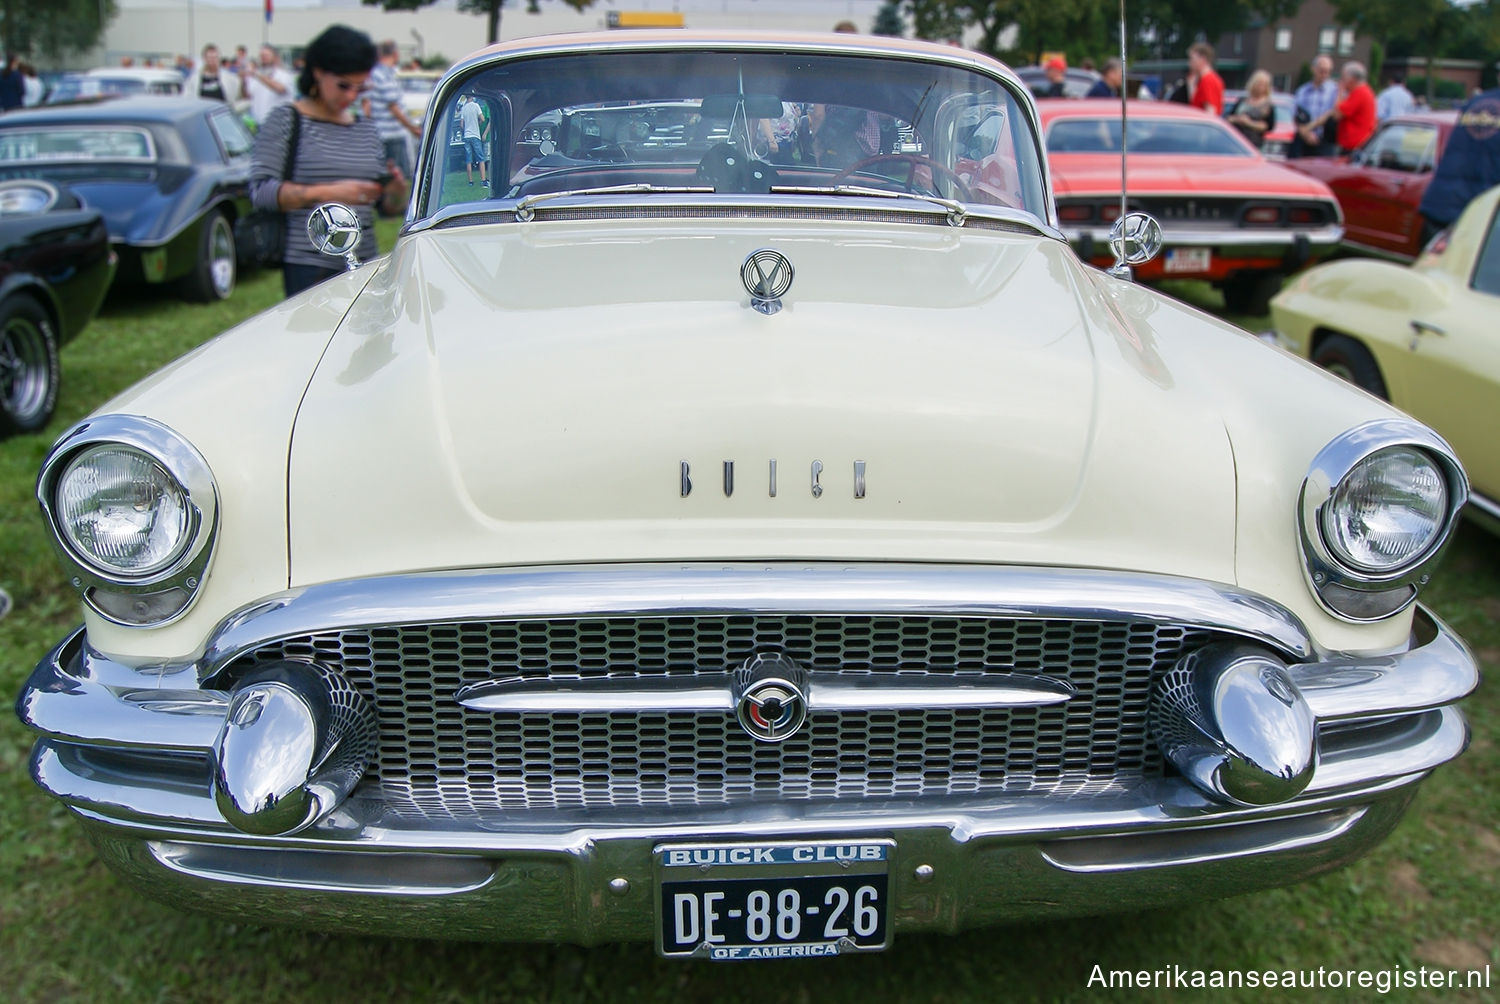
1189,260
772,901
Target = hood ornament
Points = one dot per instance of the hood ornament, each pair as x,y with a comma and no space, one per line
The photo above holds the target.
767,275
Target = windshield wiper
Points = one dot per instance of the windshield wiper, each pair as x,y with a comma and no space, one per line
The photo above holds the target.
525,210
957,213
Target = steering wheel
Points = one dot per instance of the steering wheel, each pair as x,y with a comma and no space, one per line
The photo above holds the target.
607,152
912,162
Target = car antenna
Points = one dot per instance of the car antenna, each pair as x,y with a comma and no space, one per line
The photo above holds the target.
1119,269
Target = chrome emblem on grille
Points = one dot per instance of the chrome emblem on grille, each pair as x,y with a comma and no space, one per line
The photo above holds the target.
767,275
770,694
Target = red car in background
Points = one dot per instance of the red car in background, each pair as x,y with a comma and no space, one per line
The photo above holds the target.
1381,184
1228,215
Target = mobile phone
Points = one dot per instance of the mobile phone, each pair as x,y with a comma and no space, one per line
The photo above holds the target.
385,179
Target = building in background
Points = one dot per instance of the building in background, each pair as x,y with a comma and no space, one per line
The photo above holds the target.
1284,47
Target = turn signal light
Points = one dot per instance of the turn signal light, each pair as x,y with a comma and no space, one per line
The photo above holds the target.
1263,215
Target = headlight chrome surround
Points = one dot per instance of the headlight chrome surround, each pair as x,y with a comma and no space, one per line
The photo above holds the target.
1355,590
163,591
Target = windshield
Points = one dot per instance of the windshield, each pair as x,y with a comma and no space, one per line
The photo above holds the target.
1204,137
733,122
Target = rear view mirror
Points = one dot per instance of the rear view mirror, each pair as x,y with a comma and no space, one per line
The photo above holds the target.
757,106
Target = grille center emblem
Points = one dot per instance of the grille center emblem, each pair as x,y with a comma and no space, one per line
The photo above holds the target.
767,275
770,697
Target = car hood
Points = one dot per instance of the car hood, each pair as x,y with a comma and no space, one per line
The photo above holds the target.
1099,174
510,394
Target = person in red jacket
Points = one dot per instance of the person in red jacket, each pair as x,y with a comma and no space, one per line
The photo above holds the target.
1354,110
1206,85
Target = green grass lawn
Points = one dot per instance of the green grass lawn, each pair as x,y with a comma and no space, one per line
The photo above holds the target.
70,931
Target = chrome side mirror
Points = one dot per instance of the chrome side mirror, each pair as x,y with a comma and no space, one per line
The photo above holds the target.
1134,240
334,230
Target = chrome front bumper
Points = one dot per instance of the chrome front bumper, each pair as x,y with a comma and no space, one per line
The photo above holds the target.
129,752
1233,243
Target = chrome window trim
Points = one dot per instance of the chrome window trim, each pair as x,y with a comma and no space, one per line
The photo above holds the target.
1321,568
959,58
185,464
866,588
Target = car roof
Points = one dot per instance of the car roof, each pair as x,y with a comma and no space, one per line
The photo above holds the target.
688,38
165,109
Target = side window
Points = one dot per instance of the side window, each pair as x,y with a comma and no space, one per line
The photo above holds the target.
1487,268
1401,147
234,139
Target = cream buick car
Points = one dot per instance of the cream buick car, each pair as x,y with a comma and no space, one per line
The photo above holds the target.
736,530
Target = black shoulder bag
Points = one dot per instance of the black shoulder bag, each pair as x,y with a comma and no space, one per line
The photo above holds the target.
260,237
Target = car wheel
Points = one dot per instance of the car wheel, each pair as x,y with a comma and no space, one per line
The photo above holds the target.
28,365
1251,294
1347,359
213,277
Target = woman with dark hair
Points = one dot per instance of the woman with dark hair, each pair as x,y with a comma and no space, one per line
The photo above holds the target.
314,151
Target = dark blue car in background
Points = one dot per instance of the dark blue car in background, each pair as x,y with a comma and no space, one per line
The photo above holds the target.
170,175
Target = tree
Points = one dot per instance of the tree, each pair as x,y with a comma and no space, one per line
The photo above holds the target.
888,20
1430,26
1088,26
55,27
490,8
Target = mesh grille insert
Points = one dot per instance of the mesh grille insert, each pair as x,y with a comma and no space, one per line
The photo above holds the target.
437,758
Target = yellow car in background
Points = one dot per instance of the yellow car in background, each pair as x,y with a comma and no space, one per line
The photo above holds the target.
1422,337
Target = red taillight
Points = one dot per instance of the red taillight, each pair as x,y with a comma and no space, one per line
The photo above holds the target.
1304,216
1075,214
1109,212
1263,215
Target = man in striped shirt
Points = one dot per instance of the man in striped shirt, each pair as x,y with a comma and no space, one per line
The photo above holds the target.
386,112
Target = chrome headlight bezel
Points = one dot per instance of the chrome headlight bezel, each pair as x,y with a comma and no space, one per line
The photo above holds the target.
1344,588
160,595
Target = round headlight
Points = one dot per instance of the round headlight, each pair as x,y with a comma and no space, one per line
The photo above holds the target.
1388,511
122,512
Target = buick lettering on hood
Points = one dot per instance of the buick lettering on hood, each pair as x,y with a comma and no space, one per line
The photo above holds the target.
746,528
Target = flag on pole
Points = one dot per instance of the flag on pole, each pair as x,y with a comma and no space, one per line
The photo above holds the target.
268,11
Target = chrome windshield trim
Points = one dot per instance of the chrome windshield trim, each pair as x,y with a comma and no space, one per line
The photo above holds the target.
647,42
790,587
825,692
507,210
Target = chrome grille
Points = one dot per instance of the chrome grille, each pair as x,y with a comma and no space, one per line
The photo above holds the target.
436,757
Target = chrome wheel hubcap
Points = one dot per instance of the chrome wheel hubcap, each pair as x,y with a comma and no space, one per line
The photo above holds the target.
23,367
221,260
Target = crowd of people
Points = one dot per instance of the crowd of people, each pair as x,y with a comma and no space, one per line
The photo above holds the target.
1334,115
